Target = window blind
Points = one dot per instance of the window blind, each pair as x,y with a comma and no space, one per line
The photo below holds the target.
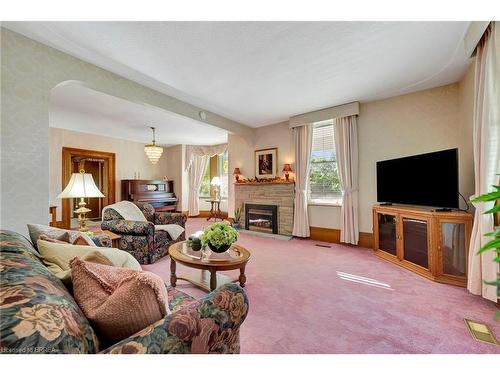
324,181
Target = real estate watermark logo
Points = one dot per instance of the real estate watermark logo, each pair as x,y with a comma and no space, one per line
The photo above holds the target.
30,350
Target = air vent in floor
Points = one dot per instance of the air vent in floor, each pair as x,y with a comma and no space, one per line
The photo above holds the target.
481,332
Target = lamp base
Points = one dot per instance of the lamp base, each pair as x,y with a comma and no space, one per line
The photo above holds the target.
82,215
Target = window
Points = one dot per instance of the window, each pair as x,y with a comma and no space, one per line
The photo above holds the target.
205,183
217,166
223,170
324,183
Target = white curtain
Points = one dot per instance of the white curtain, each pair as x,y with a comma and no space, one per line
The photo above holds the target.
193,151
486,140
346,144
196,171
302,137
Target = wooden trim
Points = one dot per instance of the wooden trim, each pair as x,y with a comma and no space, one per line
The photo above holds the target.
365,239
333,235
324,234
58,224
109,190
53,218
206,213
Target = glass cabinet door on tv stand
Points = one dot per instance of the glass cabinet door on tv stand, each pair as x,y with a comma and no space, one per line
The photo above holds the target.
387,233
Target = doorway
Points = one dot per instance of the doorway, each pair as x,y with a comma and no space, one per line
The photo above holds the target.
102,167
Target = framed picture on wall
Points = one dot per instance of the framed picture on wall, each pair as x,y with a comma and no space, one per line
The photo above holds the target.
266,163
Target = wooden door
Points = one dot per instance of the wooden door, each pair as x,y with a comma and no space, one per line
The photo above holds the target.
94,204
107,179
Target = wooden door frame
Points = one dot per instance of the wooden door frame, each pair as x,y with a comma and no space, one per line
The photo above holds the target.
109,193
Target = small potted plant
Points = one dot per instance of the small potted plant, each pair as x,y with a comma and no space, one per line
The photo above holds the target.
237,218
219,236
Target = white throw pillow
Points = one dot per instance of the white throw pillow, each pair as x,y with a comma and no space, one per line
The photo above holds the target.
56,257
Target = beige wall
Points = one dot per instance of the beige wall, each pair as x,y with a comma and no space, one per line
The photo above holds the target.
175,170
241,152
420,122
130,159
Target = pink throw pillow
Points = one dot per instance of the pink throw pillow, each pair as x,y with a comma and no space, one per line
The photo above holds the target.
118,301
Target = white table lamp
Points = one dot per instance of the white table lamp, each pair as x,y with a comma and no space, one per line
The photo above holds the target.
217,183
81,185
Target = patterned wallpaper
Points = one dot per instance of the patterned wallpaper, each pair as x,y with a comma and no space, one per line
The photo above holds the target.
29,71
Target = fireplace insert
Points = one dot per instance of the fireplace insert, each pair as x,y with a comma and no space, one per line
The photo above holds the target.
261,218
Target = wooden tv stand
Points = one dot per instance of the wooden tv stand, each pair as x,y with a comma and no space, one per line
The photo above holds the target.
432,244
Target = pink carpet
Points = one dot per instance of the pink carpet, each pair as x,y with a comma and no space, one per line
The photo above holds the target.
310,299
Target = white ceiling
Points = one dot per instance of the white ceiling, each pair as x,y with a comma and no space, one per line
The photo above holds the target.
260,73
79,108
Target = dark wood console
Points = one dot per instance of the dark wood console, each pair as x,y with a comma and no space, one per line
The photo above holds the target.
160,194
432,244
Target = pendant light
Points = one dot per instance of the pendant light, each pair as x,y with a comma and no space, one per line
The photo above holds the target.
153,152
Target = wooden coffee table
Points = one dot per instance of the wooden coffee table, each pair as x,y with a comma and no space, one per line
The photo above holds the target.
208,279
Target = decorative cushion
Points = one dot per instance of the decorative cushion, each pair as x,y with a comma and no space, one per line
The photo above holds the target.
118,301
56,257
65,238
38,315
35,230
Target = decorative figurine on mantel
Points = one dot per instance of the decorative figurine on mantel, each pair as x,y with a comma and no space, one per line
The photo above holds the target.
237,174
287,168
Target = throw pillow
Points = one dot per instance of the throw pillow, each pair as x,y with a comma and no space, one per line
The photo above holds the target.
56,257
35,230
63,238
81,240
118,301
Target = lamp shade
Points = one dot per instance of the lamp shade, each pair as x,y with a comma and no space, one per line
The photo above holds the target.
236,171
81,185
287,168
153,152
215,181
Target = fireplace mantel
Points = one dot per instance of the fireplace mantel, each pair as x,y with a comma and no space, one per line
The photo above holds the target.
266,183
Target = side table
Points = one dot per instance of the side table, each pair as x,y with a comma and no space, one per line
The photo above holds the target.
215,212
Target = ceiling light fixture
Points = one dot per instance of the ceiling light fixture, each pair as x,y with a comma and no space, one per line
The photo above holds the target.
153,152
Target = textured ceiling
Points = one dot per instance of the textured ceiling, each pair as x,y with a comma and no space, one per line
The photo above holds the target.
79,108
260,73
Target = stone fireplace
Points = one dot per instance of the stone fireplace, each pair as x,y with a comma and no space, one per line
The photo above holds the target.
261,218
278,194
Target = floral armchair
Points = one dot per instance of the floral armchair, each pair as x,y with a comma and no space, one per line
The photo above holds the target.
139,238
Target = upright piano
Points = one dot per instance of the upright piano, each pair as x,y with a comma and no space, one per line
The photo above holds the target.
160,194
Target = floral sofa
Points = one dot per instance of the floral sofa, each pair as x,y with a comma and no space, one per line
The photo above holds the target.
140,238
39,315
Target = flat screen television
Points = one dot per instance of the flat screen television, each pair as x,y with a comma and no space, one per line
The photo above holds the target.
422,180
